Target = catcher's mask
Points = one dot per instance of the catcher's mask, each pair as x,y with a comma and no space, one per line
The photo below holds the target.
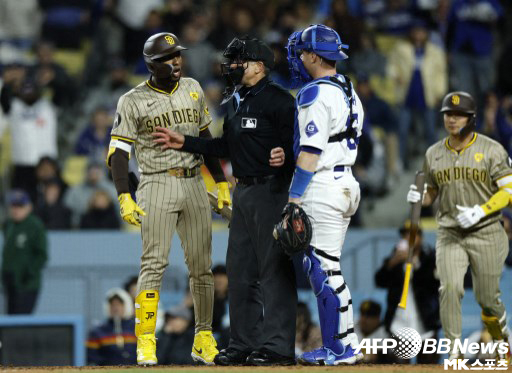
158,49
239,51
461,102
320,39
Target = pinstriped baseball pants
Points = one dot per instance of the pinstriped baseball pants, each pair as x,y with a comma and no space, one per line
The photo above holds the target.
178,204
485,250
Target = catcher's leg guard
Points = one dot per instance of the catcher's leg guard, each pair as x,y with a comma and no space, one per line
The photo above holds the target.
146,305
333,304
499,332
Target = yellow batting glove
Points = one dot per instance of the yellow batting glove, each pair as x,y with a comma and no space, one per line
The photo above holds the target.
223,196
130,212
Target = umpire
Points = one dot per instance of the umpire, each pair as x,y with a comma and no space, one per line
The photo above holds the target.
258,138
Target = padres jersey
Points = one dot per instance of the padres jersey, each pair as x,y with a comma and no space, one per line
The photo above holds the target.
326,116
145,107
466,178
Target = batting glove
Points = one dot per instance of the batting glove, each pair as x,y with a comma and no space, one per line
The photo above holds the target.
223,196
469,216
130,212
414,196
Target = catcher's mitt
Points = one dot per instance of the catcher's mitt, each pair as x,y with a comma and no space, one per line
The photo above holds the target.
294,231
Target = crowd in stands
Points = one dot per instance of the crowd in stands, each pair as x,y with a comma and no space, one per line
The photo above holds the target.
64,66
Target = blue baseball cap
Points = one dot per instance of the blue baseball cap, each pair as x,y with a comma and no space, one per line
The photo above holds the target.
18,197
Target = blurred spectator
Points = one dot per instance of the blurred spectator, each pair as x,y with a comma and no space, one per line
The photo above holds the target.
175,14
52,76
379,114
47,170
396,18
370,326
200,53
77,197
470,43
102,214
33,125
418,70
176,337
346,25
133,13
134,39
234,21
503,123
220,306
24,254
487,122
114,342
51,210
20,22
308,335
130,286
368,60
110,89
422,312
65,22
504,73
93,141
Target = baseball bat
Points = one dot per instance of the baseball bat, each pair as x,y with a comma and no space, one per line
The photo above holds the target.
226,210
415,219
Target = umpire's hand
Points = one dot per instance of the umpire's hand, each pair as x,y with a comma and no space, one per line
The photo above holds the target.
276,157
130,212
168,139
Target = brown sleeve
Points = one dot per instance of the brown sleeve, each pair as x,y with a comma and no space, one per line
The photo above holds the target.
119,162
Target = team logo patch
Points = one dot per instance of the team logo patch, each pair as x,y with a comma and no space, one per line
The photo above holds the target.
117,121
479,157
455,99
249,122
311,129
194,95
169,40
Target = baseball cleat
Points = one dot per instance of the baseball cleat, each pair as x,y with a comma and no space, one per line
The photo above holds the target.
325,356
146,350
359,357
204,349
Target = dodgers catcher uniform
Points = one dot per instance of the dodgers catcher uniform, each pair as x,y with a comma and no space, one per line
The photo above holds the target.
327,130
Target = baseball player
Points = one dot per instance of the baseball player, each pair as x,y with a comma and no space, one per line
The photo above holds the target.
471,175
327,131
171,194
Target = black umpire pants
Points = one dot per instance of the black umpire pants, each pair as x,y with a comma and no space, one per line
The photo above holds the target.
261,278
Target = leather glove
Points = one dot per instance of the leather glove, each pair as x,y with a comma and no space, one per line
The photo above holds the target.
223,196
469,216
130,212
414,196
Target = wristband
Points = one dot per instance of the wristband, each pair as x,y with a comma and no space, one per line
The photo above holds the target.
301,179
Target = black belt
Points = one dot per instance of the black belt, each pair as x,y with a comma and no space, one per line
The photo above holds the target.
252,180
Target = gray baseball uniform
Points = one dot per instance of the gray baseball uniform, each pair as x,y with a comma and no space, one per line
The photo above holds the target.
467,178
171,190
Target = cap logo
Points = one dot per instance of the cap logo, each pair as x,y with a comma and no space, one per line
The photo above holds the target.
169,39
455,99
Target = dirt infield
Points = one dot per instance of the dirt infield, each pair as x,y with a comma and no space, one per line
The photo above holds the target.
366,368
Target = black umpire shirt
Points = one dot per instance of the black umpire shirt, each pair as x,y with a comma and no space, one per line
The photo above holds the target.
259,118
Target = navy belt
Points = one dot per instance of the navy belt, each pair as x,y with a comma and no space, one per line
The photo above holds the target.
341,168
